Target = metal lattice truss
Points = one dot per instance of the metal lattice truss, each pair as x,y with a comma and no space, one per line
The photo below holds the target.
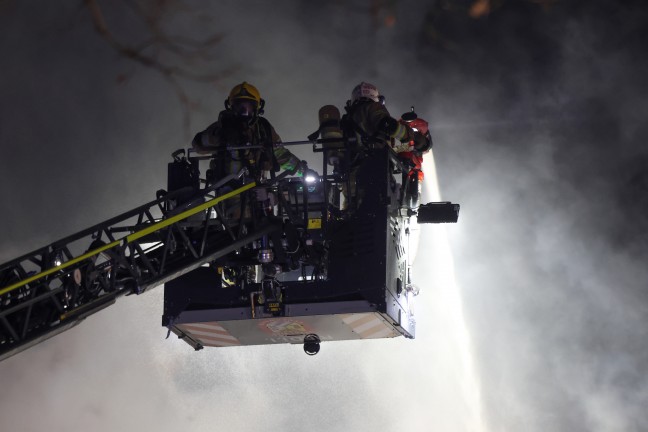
53,288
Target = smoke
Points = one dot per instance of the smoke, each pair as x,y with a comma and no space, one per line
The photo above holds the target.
539,134
555,292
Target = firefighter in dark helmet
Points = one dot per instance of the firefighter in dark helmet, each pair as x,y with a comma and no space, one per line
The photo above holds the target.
368,116
240,125
370,124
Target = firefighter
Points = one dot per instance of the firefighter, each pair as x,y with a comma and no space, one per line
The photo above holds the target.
370,124
241,125
368,117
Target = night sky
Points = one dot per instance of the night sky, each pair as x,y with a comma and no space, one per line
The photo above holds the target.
538,113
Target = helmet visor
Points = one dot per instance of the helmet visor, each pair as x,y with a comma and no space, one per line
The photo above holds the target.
244,107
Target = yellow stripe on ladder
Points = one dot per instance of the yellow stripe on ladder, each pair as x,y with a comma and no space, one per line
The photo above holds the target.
131,237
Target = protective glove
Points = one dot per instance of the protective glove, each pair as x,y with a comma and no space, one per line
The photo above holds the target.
301,168
420,137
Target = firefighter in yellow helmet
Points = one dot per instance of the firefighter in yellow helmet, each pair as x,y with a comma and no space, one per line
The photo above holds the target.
240,125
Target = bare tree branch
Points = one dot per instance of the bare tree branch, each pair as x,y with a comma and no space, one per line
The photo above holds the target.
187,50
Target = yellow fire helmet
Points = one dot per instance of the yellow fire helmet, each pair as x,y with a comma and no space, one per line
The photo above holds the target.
245,100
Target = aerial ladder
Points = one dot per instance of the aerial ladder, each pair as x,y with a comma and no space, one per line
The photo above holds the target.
55,287
242,263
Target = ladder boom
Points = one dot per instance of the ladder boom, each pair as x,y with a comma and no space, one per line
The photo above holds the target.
53,288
